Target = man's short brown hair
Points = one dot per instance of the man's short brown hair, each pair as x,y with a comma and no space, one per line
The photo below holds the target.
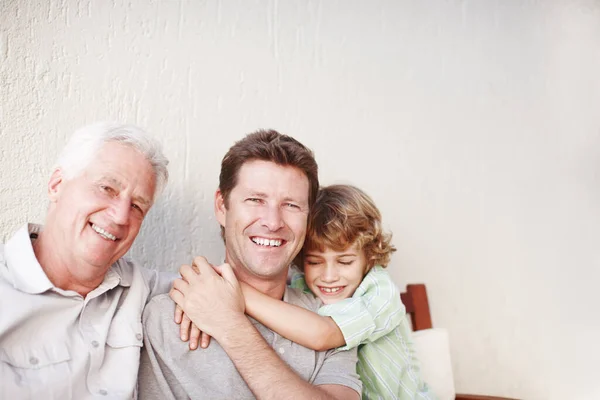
342,216
268,145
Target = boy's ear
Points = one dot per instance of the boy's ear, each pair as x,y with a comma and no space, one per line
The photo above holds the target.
55,185
220,209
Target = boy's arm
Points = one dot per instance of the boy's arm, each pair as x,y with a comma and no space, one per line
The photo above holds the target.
292,322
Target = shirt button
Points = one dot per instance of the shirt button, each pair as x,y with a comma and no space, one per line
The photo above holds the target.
95,343
103,392
281,350
33,361
139,336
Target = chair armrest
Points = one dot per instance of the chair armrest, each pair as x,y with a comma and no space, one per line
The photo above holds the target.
480,397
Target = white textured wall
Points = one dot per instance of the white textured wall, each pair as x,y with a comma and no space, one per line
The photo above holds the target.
475,125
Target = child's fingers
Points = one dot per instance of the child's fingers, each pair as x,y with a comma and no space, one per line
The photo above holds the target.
184,328
194,337
178,314
205,340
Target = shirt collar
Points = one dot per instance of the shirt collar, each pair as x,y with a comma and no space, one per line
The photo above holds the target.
27,273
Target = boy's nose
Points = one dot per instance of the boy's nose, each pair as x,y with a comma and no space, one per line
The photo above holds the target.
330,274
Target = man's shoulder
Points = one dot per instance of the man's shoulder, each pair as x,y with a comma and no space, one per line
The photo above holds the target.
159,304
157,282
302,299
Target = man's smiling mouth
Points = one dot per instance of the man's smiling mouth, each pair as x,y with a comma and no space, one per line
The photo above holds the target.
105,234
267,242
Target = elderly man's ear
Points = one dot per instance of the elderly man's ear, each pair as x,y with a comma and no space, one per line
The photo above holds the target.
54,184
220,209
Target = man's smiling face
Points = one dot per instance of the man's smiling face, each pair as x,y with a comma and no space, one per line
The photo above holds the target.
265,218
98,213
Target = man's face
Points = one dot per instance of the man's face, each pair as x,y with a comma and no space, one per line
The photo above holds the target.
97,215
265,218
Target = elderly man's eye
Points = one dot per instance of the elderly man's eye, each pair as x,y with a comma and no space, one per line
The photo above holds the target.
107,189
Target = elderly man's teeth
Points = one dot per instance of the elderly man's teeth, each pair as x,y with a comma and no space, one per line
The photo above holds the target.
267,242
103,233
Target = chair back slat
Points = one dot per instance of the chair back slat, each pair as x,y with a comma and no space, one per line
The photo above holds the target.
417,306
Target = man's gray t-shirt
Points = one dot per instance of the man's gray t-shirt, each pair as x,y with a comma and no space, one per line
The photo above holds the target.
169,370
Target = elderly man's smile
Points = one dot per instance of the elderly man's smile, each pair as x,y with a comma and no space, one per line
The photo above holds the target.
103,232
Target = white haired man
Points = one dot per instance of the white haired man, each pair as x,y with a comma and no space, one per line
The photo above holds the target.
71,306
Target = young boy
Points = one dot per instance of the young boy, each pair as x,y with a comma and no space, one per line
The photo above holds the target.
343,261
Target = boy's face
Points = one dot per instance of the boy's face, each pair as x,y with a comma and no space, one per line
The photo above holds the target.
334,275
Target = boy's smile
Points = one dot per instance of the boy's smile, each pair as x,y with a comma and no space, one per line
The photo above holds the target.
334,275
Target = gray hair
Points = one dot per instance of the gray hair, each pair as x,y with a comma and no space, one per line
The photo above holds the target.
83,145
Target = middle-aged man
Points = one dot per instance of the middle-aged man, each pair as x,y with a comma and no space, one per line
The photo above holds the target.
70,305
267,184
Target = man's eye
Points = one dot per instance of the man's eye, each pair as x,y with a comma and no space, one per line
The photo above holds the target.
136,207
107,189
253,200
292,206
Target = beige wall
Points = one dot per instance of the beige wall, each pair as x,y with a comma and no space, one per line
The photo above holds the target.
474,125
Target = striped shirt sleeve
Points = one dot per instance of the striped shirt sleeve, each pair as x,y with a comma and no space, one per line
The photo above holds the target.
372,312
296,280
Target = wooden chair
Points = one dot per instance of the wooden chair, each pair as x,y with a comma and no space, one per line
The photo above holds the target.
417,306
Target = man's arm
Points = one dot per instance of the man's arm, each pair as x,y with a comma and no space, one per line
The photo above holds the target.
267,375
216,305
156,379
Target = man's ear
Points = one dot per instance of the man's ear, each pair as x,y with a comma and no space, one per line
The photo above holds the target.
220,209
55,184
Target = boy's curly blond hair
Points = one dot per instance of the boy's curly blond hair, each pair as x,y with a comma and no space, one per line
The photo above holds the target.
342,216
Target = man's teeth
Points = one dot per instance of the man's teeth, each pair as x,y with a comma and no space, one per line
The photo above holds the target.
103,233
267,242
331,289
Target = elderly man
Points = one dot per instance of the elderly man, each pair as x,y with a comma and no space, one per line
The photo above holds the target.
267,184
71,306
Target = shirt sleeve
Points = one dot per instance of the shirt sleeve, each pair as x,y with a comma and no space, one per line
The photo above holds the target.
372,312
156,378
159,282
297,280
339,368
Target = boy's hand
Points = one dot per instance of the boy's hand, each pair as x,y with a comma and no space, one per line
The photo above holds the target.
212,299
189,331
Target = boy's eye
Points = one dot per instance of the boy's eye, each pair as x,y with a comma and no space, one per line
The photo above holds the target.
346,262
311,262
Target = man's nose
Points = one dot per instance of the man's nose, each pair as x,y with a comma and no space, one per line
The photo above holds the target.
119,211
272,218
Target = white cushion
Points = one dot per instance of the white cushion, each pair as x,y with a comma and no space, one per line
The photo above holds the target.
433,351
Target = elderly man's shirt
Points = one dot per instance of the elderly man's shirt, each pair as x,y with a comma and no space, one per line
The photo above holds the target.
169,370
56,344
